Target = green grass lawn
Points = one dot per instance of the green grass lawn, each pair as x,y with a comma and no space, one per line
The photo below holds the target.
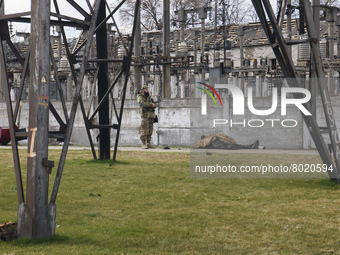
146,203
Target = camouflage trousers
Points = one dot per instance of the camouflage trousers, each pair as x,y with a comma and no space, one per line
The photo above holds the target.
146,129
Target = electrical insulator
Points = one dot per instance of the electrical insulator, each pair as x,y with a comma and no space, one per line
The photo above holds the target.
183,49
10,28
246,62
228,45
206,46
254,62
121,52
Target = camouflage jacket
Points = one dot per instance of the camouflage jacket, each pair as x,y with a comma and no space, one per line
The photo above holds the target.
145,106
207,141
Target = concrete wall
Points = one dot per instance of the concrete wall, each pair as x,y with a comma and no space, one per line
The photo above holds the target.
181,123
247,128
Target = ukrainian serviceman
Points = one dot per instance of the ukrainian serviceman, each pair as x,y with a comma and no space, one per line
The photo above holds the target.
147,113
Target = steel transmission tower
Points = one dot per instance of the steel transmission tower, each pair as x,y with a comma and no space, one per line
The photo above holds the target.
37,211
330,153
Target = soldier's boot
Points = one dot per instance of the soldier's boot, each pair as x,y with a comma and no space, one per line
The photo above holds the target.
144,146
148,144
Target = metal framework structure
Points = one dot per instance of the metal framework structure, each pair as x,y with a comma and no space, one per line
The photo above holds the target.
330,155
37,213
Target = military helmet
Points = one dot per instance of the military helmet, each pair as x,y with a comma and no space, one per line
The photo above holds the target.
144,87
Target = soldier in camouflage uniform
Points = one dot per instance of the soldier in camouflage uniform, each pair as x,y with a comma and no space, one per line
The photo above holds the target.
147,113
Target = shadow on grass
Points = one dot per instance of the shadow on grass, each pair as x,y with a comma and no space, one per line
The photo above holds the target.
56,242
55,239
96,162
48,240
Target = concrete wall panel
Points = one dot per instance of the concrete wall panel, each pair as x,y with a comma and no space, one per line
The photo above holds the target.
181,123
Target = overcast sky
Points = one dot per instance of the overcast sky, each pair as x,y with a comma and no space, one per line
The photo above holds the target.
17,6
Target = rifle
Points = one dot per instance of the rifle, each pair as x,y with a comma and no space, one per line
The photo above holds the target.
155,120
160,100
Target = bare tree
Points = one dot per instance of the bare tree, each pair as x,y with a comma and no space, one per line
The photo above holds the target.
231,12
150,11
223,12
334,3
188,5
151,14
251,14
324,7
